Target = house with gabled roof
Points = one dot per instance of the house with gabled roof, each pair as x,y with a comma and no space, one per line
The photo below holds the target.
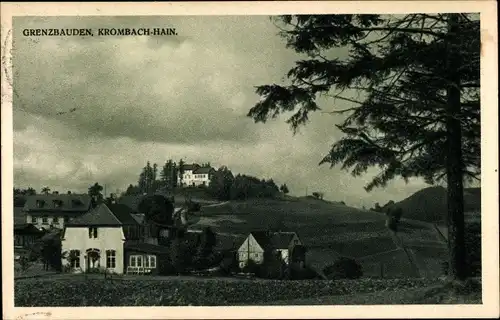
109,237
262,246
195,175
54,210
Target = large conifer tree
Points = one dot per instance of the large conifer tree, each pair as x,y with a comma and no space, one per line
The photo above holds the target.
417,110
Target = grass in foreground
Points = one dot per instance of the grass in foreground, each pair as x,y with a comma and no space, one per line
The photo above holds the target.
177,292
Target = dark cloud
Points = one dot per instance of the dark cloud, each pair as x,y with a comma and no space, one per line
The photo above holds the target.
140,99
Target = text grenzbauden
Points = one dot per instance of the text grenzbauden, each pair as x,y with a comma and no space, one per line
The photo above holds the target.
66,32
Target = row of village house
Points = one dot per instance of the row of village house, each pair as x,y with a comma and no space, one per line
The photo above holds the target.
116,237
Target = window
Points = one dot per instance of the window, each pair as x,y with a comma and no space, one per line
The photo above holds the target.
45,220
75,258
93,233
295,241
66,219
55,220
110,259
33,220
136,261
57,203
150,262
40,203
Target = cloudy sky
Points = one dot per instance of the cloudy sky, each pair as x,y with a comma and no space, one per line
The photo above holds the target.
155,98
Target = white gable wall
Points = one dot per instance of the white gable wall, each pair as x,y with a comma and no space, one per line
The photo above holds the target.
188,178
294,242
108,238
284,255
250,250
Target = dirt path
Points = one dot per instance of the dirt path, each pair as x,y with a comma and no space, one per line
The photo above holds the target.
215,204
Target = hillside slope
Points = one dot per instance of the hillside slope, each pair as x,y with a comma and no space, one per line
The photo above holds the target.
430,204
328,230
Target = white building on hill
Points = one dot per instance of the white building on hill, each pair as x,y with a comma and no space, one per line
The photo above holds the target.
195,175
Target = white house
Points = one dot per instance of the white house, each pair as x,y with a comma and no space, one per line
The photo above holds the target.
195,175
261,244
54,210
96,239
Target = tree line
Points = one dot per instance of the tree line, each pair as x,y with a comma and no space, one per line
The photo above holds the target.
153,178
226,186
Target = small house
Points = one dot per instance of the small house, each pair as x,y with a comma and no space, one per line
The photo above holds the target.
25,235
261,247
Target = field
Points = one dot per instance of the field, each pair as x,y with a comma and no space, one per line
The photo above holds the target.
77,291
330,230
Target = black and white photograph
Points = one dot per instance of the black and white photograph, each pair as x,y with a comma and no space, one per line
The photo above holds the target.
285,158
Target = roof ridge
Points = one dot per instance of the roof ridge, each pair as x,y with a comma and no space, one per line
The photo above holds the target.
112,213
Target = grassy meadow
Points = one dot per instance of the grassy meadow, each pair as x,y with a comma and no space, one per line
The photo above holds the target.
330,230
77,291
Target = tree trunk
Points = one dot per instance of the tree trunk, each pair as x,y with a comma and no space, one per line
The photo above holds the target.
454,164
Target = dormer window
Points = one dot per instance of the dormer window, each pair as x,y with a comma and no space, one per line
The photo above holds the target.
76,202
40,203
57,203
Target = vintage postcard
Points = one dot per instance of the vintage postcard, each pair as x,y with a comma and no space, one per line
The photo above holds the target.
250,160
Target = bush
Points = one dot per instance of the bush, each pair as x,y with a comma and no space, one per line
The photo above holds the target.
165,266
344,268
392,223
229,263
306,273
100,270
251,267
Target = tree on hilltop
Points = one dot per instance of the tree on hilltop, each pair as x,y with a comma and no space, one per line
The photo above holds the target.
284,189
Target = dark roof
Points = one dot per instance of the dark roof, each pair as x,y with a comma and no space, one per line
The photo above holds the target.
145,247
192,166
52,234
203,170
273,240
123,213
26,228
139,217
105,215
68,203
132,201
